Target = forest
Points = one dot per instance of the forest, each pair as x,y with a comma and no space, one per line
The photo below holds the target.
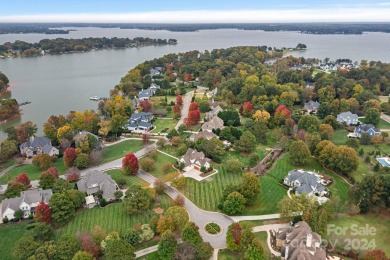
8,107
61,45
310,28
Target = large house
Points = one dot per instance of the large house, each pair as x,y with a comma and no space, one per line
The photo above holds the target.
95,181
146,94
156,71
306,182
140,121
203,134
193,159
311,106
366,128
27,201
83,135
38,146
214,123
300,242
214,112
348,118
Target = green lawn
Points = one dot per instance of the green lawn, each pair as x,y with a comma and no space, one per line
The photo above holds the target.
119,150
131,179
226,254
151,256
159,162
260,150
381,125
338,187
263,238
381,236
340,137
32,171
10,233
161,124
110,218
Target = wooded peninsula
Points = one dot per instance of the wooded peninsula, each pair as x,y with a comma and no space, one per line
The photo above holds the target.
62,46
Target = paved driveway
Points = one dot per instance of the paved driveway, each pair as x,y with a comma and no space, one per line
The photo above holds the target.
185,108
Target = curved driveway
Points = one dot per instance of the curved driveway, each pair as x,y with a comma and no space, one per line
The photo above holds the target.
185,108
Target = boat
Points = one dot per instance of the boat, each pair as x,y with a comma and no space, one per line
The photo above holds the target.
94,98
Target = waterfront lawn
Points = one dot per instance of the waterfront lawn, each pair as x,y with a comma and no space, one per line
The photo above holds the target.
131,179
10,233
110,218
31,170
119,150
162,124
380,222
338,187
159,163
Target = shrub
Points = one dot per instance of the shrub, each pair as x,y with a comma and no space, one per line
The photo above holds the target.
147,164
167,167
118,194
82,161
5,220
102,202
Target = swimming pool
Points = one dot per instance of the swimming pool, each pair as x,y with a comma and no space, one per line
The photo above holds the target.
383,161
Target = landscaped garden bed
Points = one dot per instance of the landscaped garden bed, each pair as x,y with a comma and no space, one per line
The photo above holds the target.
212,228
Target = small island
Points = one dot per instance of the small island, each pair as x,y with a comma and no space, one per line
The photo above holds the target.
65,46
8,107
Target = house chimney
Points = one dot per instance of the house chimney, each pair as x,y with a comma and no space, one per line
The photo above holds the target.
309,240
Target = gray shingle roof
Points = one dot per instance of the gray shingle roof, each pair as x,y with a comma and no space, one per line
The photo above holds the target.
346,115
36,143
96,180
312,105
309,182
214,123
29,197
195,156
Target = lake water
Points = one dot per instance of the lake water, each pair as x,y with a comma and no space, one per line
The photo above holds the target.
60,83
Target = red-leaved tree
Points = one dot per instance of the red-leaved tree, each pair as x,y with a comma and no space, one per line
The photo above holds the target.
236,232
193,117
42,213
89,245
193,106
23,179
146,105
169,69
247,108
177,111
54,172
187,77
282,113
72,174
375,255
130,164
70,156
179,100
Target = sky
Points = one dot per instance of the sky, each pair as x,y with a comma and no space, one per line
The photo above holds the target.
194,11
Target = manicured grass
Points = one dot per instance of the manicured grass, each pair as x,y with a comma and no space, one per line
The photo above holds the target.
5,165
119,150
340,137
213,228
151,256
162,124
10,233
32,171
381,235
260,150
131,179
338,187
110,218
226,254
159,163
262,236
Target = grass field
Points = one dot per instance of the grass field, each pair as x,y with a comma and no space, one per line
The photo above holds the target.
110,218
32,171
159,162
260,150
338,187
10,233
263,238
340,137
161,124
226,254
151,256
119,150
381,235
131,179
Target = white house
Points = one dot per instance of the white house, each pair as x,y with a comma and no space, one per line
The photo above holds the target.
366,128
193,159
348,118
27,201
